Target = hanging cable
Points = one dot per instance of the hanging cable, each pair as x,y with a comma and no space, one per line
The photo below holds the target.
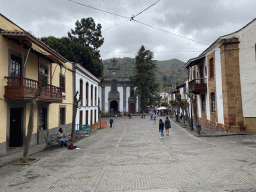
97,9
132,18
171,33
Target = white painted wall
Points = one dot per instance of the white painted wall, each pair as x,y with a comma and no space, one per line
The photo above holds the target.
247,64
86,77
107,90
219,93
199,109
121,103
127,96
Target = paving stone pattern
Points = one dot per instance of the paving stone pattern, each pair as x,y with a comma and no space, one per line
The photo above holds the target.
131,156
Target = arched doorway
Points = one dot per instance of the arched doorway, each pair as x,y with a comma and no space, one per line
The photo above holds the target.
113,106
132,108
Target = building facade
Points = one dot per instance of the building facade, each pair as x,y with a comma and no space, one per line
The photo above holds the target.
87,86
223,78
24,61
116,93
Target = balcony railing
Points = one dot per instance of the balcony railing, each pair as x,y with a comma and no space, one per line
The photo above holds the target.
23,89
198,86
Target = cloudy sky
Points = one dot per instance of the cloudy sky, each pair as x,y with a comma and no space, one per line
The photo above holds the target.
179,29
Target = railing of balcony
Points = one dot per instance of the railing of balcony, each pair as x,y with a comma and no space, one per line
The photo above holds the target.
26,88
198,85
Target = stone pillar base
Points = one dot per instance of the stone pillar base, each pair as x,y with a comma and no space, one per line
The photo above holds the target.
235,128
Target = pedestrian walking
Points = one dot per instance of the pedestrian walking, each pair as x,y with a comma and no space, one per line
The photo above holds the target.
144,115
161,128
151,116
154,117
167,125
111,121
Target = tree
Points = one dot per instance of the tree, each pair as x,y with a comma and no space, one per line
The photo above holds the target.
87,33
32,104
77,53
144,77
75,106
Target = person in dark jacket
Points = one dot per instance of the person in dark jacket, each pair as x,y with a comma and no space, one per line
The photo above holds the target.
111,121
161,128
167,125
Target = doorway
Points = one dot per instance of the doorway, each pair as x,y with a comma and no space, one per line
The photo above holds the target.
16,130
113,106
132,108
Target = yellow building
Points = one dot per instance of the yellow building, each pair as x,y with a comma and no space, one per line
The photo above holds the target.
24,60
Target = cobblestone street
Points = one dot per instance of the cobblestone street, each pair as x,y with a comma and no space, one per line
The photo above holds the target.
131,156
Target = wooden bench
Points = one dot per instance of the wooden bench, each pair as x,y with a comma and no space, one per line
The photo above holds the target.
51,141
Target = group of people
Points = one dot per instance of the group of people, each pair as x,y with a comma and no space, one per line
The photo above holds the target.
166,124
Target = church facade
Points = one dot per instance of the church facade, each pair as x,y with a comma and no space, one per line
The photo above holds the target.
116,94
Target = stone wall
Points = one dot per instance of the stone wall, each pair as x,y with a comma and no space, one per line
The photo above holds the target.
232,102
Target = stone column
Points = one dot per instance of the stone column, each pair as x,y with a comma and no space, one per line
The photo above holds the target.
232,99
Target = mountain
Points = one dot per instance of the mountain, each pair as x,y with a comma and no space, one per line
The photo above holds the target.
173,69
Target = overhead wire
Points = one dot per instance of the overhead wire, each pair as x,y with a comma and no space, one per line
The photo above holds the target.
145,9
132,19
97,9
170,32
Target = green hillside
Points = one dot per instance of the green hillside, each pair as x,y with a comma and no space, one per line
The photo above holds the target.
173,69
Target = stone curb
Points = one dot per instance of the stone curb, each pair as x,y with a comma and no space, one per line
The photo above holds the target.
210,135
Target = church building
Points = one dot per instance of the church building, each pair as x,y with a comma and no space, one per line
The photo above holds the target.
115,91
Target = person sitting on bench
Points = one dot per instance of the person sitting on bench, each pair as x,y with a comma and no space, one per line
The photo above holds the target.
63,141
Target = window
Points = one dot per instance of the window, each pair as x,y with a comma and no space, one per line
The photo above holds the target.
15,68
42,118
81,118
203,102
95,114
86,117
211,68
81,91
62,83
87,93
114,86
91,118
62,115
91,95
132,93
43,70
213,102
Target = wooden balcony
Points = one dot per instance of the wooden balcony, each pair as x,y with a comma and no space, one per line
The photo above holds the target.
23,89
198,86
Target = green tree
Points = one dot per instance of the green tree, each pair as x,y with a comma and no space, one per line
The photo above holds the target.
87,33
77,53
144,77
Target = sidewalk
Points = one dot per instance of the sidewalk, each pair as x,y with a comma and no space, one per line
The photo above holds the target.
206,132
15,155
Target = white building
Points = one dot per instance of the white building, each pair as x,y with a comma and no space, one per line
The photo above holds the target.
223,80
116,93
87,86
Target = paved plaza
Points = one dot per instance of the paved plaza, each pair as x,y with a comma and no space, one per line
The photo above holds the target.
131,156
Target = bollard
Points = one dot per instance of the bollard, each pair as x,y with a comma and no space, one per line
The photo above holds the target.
198,127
